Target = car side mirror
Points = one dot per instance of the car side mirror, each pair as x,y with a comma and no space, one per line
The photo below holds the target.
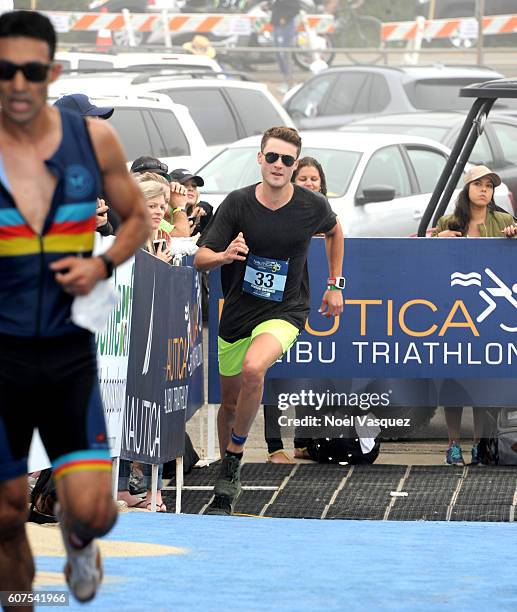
375,193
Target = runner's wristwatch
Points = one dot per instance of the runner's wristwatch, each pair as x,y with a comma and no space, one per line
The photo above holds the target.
108,263
338,282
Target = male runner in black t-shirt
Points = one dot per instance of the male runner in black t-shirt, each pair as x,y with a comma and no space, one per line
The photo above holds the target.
260,235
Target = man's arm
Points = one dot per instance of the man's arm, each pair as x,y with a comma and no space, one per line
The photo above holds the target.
178,203
206,259
332,302
181,224
335,249
79,276
122,192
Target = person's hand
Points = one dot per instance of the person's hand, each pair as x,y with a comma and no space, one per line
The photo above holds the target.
163,235
195,217
449,234
101,214
78,275
236,250
198,211
510,230
164,252
177,188
178,196
332,303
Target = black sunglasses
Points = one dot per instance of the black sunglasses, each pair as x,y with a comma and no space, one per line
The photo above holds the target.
287,160
36,72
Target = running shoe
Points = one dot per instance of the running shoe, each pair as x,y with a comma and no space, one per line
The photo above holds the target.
454,456
83,569
227,488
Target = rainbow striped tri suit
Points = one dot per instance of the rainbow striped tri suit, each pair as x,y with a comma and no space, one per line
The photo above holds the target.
48,370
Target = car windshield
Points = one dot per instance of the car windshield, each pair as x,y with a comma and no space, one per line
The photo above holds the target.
427,131
443,94
238,167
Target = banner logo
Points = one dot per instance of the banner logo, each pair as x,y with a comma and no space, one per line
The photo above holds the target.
501,290
147,357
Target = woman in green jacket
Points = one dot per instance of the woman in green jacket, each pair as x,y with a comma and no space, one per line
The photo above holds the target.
474,216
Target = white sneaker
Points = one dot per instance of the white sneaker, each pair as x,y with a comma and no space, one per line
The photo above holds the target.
83,569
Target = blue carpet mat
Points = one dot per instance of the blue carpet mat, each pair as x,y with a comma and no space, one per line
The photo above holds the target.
303,565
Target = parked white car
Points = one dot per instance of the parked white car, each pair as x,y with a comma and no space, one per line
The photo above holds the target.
152,125
224,110
75,60
378,184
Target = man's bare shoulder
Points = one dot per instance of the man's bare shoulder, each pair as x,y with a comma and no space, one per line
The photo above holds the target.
106,143
101,131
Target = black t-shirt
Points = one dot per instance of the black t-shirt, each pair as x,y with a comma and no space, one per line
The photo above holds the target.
282,234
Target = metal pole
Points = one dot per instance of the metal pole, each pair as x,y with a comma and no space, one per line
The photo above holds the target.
114,476
211,433
480,11
129,27
166,31
179,483
154,487
432,8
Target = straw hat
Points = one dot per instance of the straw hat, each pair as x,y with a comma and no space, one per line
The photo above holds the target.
200,45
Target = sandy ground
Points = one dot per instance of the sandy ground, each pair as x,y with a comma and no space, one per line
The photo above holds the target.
45,541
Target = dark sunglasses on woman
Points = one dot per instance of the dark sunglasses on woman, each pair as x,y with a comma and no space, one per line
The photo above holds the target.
35,72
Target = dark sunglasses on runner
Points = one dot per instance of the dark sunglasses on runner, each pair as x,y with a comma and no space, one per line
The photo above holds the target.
35,72
287,160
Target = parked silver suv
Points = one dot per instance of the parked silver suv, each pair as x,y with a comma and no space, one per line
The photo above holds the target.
335,96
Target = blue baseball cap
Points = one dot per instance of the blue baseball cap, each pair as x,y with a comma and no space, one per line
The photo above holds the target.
80,103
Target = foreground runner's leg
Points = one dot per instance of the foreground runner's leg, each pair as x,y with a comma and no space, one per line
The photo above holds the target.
16,564
263,351
230,388
86,511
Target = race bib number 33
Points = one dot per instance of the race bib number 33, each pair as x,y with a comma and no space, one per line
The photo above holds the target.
265,278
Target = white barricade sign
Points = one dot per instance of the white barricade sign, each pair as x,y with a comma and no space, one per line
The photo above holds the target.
113,350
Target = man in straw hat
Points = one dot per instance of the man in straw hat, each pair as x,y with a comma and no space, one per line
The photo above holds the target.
200,45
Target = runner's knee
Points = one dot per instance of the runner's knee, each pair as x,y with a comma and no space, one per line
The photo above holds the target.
91,517
252,374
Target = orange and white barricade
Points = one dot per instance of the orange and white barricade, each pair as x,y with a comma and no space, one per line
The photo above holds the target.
217,24
445,28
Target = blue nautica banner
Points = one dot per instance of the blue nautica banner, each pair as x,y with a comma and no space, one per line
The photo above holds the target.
426,322
165,365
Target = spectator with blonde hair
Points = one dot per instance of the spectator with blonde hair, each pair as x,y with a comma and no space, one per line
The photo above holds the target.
158,241
175,222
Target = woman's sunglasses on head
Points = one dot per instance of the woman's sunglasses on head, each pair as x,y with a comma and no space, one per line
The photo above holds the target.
35,72
287,160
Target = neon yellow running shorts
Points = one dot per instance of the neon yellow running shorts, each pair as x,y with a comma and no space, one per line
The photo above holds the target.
231,354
